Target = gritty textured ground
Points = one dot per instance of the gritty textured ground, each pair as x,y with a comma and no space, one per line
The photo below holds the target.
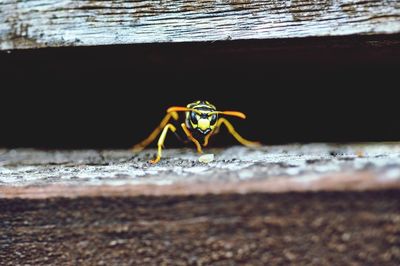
302,162
340,228
114,208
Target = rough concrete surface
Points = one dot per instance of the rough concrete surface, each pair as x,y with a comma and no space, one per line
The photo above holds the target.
337,205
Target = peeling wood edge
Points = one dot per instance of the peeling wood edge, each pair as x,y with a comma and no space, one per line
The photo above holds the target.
72,24
351,181
381,40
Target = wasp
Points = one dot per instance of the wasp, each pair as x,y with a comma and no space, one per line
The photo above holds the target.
201,122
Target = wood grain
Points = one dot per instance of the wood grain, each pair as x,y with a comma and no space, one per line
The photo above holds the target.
49,23
335,228
274,169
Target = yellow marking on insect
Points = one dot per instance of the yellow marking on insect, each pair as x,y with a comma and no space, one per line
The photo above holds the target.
231,113
205,144
236,135
140,146
198,119
189,135
203,124
161,140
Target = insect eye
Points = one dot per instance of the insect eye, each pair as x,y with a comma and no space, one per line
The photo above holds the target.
193,117
213,119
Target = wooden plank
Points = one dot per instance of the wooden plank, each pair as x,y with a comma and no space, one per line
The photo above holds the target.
273,169
48,23
341,228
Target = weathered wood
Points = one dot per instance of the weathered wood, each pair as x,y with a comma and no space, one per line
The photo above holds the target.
342,228
115,208
47,23
317,167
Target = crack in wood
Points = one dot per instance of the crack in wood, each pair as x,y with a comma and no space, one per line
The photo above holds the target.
40,23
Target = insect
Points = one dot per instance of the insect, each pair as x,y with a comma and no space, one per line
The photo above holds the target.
201,122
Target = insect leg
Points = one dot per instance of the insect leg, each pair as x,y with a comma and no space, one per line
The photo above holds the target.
234,133
140,146
189,135
206,139
161,140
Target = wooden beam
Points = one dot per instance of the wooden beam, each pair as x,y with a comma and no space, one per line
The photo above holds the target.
270,169
46,23
336,228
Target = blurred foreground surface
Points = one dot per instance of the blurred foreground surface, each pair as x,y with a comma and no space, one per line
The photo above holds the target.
312,204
